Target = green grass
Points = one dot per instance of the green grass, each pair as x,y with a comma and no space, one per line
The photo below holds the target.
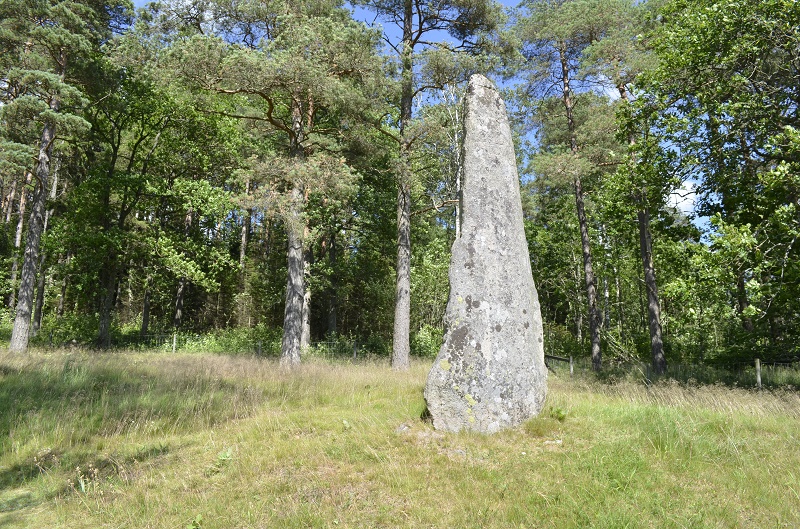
204,441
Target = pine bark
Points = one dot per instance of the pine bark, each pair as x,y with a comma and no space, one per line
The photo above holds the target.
295,285
39,306
20,333
653,306
37,313
401,338
586,248
295,256
23,197
8,201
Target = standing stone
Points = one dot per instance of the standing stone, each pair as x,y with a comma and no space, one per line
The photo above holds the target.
490,371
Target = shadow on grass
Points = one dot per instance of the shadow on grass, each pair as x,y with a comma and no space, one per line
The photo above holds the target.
54,415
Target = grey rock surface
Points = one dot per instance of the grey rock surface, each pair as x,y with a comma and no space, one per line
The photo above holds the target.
490,372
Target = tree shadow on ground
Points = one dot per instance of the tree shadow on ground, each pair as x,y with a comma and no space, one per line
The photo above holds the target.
53,415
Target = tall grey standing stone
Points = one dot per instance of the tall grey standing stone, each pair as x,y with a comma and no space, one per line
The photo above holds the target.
490,371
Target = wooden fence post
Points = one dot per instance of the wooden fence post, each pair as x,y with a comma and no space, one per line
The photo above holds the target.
571,366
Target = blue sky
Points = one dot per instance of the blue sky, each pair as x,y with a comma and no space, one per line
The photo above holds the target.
508,3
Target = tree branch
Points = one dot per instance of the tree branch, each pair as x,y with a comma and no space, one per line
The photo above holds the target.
437,207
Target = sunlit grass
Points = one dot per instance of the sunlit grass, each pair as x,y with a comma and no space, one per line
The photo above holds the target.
161,440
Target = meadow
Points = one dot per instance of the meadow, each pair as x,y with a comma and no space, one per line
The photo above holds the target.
159,440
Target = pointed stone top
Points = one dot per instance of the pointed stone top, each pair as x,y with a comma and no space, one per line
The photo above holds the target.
477,79
482,93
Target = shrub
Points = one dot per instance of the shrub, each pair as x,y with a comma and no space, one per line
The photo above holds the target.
427,341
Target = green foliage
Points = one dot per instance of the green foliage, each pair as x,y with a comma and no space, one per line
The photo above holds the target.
427,341
182,134
234,341
71,329
43,46
717,110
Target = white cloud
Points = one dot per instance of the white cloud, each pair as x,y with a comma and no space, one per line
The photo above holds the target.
684,198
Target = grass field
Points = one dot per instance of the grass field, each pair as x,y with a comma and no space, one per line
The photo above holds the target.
133,440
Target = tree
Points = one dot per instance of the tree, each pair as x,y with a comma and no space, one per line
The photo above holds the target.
617,58
128,120
312,70
468,25
722,103
49,39
556,34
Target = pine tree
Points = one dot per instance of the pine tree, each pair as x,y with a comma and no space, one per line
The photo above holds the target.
47,41
313,70
468,24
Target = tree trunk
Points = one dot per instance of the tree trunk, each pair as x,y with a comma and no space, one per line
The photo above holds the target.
653,307
295,288
23,197
295,256
333,292
178,316
108,273
401,339
591,289
741,302
183,282
588,270
108,285
37,313
22,320
8,201
145,311
648,268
